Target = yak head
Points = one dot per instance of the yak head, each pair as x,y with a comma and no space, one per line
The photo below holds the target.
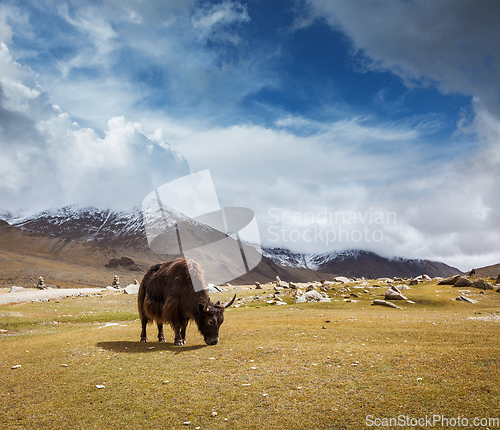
210,318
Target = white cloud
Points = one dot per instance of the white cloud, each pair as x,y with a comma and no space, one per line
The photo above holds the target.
48,160
97,30
213,20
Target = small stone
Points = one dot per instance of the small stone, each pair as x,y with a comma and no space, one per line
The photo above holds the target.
100,386
186,423
17,366
323,327
384,303
64,365
214,414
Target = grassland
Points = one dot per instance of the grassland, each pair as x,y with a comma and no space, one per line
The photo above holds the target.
276,367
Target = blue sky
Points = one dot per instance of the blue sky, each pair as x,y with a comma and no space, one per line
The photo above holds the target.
296,107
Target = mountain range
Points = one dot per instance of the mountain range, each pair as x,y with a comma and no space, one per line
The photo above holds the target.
123,235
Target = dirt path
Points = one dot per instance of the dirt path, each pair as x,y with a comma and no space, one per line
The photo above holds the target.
29,294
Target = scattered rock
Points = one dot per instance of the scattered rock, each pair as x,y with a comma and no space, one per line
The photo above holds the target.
280,283
479,283
462,282
41,284
342,279
414,281
125,262
258,286
498,280
211,288
423,278
17,366
214,414
15,289
384,303
313,296
394,294
110,289
449,281
465,299
100,386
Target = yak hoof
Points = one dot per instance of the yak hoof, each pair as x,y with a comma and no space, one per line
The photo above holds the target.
161,339
178,343
143,339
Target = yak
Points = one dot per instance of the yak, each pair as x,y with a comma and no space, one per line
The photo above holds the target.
167,295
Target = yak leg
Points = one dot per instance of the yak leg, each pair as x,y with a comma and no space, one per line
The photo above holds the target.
161,336
144,321
180,332
183,331
177,338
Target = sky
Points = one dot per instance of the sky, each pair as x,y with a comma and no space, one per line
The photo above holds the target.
360,124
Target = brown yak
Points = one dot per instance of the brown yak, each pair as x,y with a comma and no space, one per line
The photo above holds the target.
166,295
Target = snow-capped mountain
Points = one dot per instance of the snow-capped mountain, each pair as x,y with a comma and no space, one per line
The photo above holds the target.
103,227
125,233
359,263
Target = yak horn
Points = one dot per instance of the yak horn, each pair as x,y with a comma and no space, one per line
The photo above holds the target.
230,303
205,309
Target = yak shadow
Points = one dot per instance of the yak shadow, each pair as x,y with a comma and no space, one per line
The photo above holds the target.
142,347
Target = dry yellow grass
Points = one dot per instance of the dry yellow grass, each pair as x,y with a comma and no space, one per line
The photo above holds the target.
275,367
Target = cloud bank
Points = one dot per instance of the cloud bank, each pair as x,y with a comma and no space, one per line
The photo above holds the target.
49,160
